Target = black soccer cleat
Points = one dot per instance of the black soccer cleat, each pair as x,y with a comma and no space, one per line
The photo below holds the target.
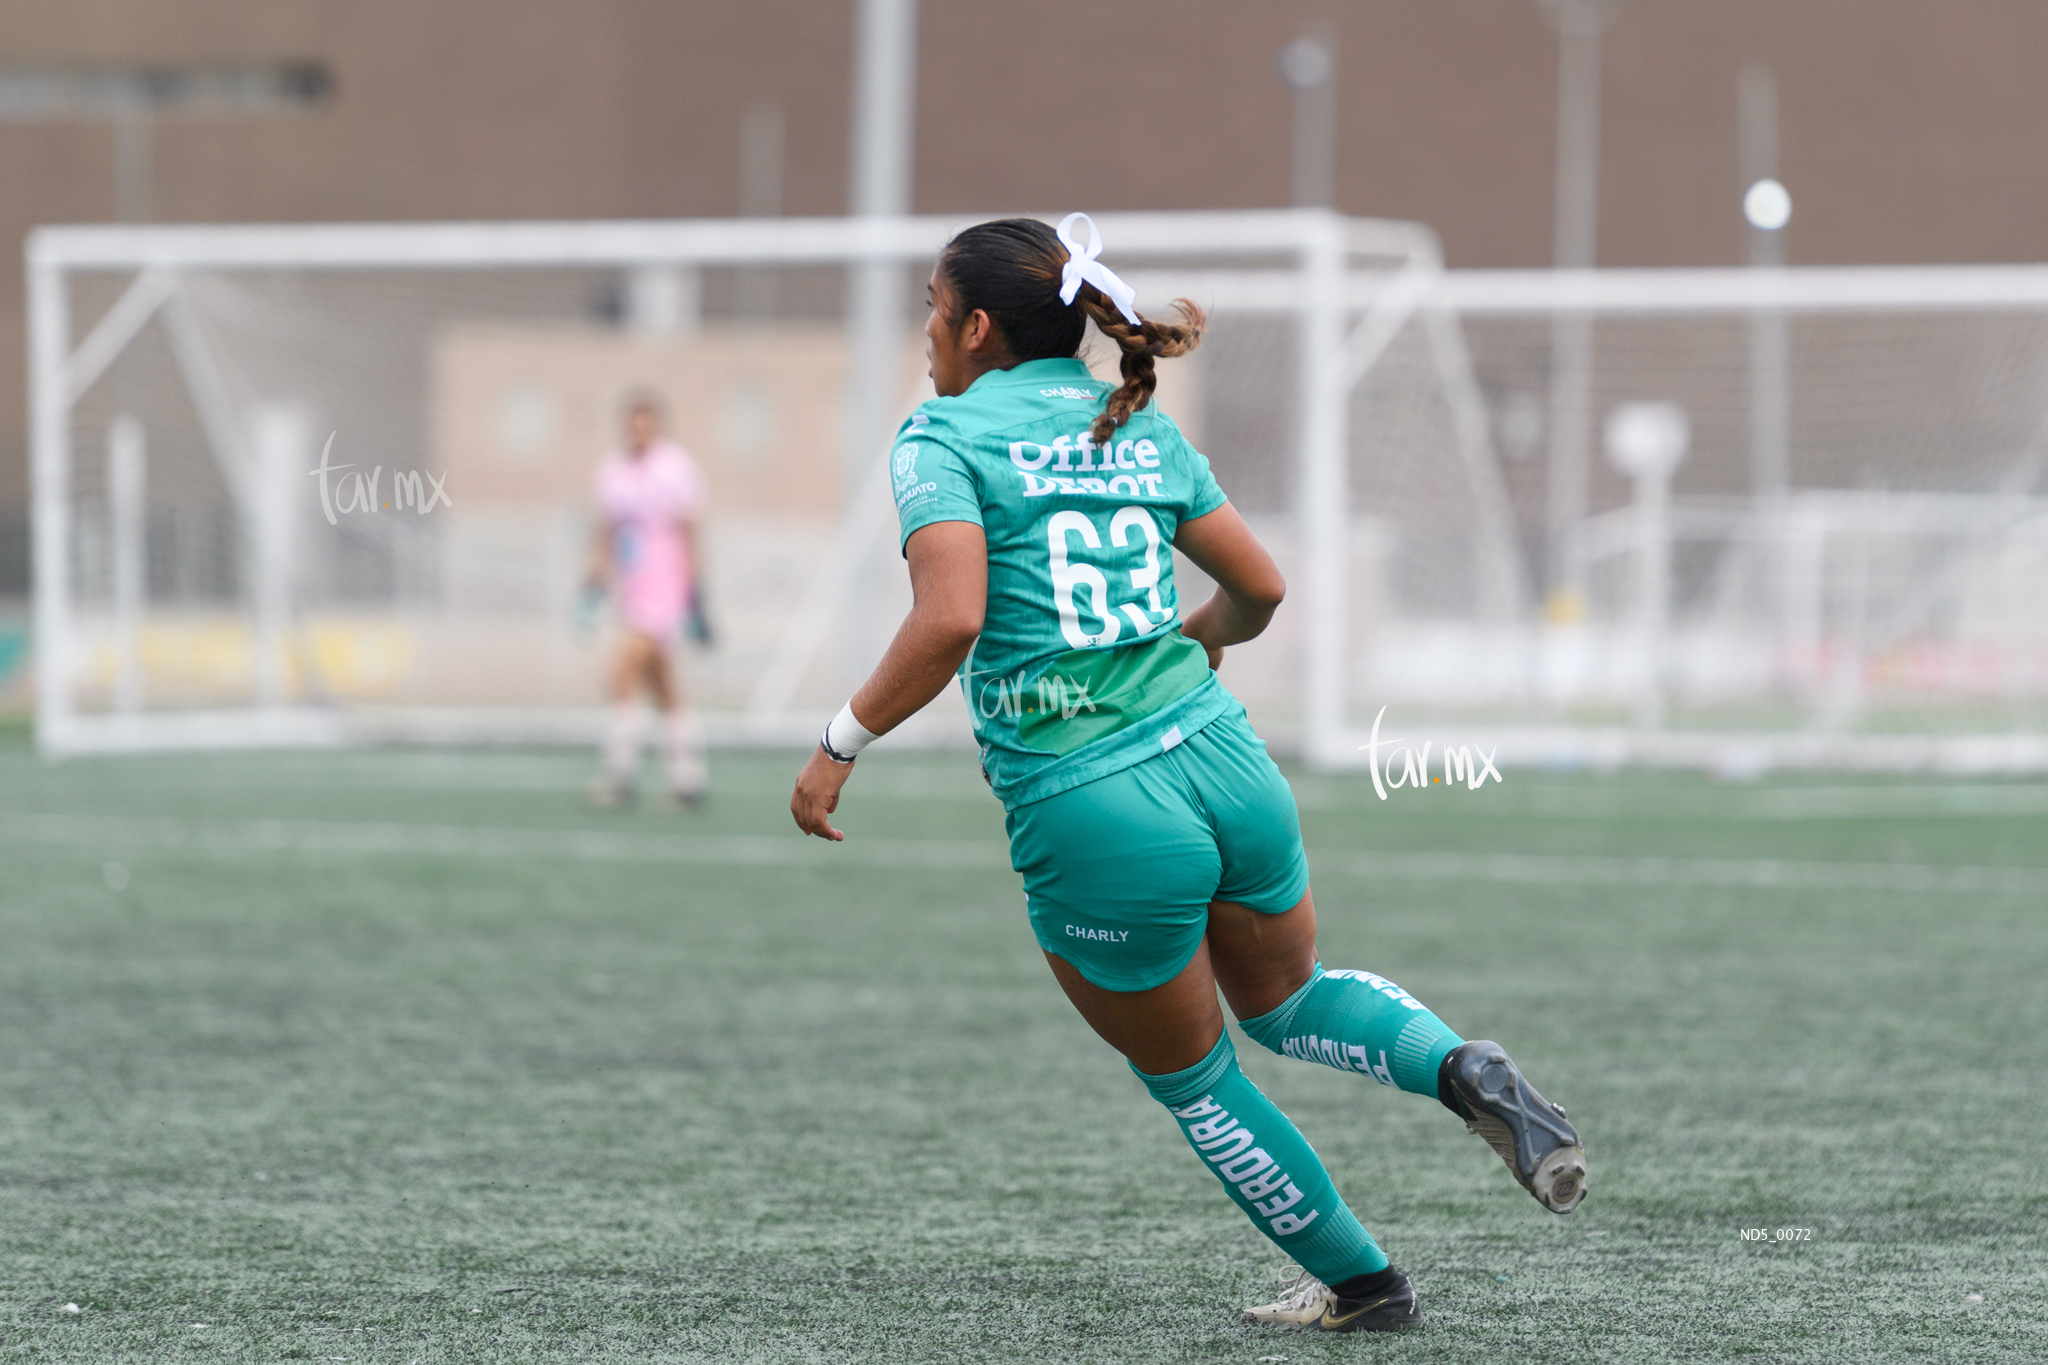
1307,1302
1486,1089
1393,1309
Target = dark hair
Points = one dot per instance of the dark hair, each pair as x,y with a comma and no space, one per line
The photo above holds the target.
1011,270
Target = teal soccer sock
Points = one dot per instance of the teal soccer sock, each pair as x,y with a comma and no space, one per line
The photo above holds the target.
1355,1021
1266,1166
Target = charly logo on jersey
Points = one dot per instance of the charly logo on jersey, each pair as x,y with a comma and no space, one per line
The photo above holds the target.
1065,392
1079,454
903,473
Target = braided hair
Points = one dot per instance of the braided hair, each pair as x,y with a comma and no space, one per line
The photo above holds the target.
1011,270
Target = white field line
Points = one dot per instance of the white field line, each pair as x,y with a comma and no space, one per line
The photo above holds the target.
1757,874
111,834
1862,803
349,838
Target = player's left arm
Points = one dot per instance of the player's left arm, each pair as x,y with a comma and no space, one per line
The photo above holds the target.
949,592
1249,587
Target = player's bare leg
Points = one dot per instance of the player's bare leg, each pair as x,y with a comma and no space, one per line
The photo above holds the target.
1173,1036
1360,1022
681,740
632,670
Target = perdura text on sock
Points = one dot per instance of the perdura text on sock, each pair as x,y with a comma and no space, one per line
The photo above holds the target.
1230,1148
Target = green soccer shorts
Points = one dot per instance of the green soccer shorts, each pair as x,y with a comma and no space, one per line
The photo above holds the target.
1119,872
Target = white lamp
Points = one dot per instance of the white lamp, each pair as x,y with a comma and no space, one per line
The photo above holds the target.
1647,440
1767,205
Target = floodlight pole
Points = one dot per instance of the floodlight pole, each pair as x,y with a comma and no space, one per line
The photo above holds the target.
1580,24
134,168
1769,399
884,135
1770,388
1308,66
884,132
763,134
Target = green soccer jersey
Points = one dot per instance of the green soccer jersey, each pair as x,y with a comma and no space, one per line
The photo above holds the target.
1081,669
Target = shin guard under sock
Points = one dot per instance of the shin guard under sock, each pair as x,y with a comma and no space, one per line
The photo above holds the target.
1355,1021
1266,1166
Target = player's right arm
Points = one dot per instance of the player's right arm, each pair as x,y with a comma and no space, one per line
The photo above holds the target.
949,595
1249,587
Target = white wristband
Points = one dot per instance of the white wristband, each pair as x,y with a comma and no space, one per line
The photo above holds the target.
845,737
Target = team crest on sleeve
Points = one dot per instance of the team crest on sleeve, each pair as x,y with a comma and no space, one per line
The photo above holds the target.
903,474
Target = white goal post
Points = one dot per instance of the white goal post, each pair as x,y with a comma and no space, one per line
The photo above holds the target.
1830,556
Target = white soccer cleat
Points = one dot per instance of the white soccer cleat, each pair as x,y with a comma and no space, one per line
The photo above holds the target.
1302,1300
1306,1301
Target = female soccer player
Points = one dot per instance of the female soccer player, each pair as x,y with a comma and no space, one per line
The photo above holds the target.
649,497
1159,844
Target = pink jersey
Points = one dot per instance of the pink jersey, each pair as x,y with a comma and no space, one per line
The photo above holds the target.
642,499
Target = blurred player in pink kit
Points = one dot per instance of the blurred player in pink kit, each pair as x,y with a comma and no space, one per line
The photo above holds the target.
649,498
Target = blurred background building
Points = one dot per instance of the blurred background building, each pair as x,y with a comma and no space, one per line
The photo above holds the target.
1912,132
1522,133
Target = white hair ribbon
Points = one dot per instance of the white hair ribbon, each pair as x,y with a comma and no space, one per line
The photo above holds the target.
1082,265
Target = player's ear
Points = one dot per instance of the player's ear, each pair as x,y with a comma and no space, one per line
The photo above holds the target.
981,330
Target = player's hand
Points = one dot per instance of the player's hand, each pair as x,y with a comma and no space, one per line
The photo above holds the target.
700,621
817,795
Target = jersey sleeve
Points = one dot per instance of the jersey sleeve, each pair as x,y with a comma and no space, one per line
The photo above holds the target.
1204,494
932,479
1207,495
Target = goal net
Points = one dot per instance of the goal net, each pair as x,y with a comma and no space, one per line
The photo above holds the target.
1733,519
332,484
320,485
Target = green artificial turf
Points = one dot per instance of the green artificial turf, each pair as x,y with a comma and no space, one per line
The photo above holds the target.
406,1057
